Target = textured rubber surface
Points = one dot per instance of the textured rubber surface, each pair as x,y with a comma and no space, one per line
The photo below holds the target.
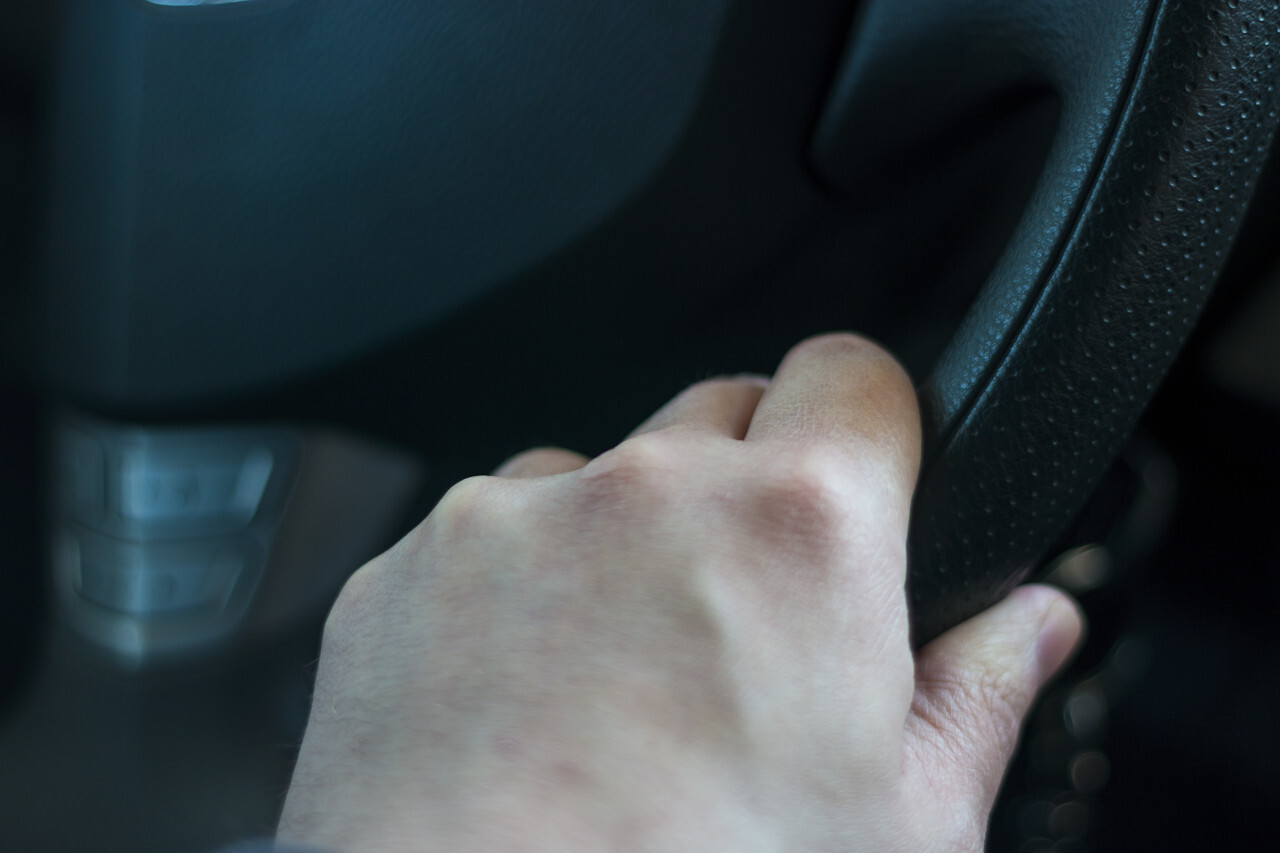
1056,361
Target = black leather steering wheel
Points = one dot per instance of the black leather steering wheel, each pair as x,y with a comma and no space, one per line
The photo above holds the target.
1168,111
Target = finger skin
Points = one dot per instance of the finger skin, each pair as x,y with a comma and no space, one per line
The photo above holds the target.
540,462
844,390
976,683
722,406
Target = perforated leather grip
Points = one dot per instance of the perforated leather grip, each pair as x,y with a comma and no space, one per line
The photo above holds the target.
1168,111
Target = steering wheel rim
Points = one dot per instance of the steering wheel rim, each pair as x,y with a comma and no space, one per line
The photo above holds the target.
1168,111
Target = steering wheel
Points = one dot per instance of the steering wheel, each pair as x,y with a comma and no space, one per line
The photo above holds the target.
1168,111
250,153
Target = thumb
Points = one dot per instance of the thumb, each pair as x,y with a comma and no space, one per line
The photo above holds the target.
976,683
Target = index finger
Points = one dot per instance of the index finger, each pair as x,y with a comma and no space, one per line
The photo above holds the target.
844,390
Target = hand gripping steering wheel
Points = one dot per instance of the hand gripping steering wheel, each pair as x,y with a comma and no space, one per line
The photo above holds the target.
1168,111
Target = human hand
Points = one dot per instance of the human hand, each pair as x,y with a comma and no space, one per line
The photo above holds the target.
696,641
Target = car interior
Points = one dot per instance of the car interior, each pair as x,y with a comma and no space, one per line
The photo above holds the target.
276,273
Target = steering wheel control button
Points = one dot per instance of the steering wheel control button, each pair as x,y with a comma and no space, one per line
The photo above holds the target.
175,540
175,486
152,578
174,483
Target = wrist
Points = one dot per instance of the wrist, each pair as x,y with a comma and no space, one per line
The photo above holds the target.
650,797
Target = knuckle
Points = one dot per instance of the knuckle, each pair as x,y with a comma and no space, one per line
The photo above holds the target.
468,493
814,492
718,387
521,461
537,461
643,466
714,385
849,345
470,506
845,485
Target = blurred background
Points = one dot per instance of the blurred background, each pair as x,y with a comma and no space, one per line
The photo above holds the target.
265,296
